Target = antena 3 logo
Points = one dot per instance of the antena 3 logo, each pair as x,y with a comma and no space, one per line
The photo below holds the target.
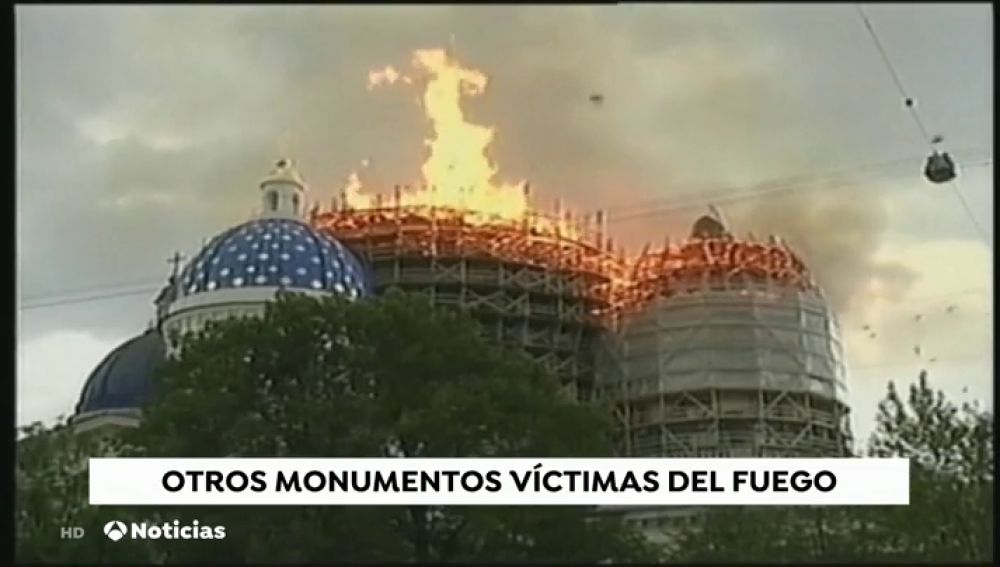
116,530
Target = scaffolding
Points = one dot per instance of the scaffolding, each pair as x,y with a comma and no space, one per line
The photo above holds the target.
710,347
725,348
527,283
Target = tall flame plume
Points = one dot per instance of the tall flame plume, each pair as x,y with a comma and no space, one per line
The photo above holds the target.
458,172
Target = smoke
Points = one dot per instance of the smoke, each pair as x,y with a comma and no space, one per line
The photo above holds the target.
839,233
839,229
692,98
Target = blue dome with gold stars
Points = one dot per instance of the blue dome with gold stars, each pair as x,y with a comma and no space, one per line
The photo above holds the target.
275,252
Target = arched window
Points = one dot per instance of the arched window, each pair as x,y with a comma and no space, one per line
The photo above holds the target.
295,203
272,200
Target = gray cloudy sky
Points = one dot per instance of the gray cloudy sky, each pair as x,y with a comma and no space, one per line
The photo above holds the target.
143,130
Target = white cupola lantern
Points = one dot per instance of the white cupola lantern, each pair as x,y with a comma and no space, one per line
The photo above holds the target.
282,192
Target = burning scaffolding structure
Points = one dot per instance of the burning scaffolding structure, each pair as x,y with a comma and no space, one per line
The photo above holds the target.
725,348
710,347
527,283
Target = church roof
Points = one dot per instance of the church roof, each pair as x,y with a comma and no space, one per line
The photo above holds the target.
124,379
275,252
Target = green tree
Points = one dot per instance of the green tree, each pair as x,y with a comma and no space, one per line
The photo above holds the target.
951,480
949,519
51,494
392,378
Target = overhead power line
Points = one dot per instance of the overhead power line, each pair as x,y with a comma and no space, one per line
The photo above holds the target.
792,181
84,291
86,299
910,104
831,180
968,211
912,107
123,289
57,301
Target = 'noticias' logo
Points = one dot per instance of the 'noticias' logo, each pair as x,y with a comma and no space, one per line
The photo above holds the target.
115,530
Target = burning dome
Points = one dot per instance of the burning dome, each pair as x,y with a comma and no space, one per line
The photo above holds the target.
729,345
467,239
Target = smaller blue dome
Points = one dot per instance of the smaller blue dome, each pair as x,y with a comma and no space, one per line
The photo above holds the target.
124,379
276,252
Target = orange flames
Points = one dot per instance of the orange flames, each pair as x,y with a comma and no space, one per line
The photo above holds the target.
720,261
461,190
458,173
384,76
